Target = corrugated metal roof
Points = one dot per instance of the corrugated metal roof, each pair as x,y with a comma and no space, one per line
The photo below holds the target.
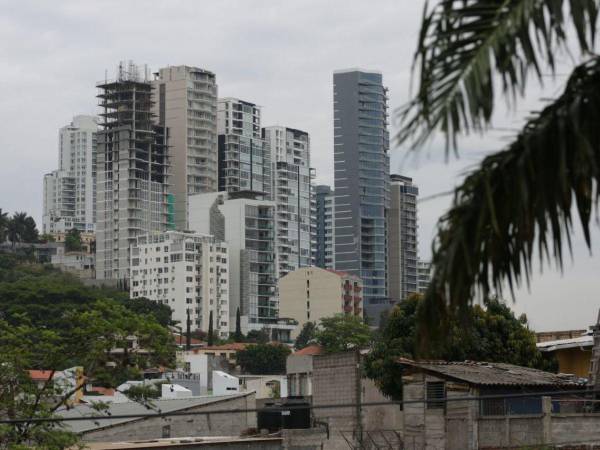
494,374
581,341
115,409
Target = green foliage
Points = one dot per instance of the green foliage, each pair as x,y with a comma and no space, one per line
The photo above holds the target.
3,225
50,321
306,335
341,332
211,331
238,336
143,306
258,336
73,241
263,359
464,45
490,334
45,238
21,228
521,201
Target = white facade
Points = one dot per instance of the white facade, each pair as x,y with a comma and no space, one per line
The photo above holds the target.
225,384
291,192
247,227
188,272
186,103
423,275
70,191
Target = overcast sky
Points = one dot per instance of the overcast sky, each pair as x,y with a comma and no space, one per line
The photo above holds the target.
278,54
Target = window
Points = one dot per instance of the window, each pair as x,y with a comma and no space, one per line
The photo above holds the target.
435,390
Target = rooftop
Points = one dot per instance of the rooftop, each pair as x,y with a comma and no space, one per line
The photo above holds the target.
492,374
586,341
133,408
311,350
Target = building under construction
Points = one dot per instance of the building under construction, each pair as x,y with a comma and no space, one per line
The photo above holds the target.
132,189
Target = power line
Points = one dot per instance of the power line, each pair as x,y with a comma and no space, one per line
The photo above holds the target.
301,407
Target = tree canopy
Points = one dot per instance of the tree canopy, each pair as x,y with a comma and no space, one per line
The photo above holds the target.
342,332
306,335
50,321
490,333
263,359
73,240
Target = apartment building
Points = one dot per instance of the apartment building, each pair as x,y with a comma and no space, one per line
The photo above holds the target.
311,293
324,225
402,235
361,175
423,275
246,223
186,103
132,161
70,191
244,157
189,272
291,192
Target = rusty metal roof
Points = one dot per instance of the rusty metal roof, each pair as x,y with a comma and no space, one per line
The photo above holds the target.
493,374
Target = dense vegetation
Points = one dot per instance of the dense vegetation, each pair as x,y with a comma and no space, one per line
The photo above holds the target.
491,333
50,321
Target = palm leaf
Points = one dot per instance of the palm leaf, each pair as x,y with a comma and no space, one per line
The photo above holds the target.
465,44
520,201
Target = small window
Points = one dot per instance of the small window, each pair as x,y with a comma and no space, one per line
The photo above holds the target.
435,390
166,431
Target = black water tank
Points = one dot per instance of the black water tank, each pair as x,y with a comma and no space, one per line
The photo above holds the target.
293,413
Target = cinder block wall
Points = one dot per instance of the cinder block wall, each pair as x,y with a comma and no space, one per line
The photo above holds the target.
186,425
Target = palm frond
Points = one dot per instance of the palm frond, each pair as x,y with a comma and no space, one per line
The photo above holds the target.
521,200
464,44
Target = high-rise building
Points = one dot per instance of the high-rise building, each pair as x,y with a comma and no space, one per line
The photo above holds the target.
246,223
132,197
189,272
244,157
291,192
423,275
70,191
402,237
186,103
361,164
325,231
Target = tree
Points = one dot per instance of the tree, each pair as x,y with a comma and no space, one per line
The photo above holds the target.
521,199
22,228
491,333
211,332
143,306
45,238
342,332
3,225
73,240
306,335
238,336
263,359
258,336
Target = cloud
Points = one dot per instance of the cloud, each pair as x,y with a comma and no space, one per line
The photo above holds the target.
280,55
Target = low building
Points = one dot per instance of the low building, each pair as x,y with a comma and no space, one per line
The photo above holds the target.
338,378
299,371
189,272
88,239
108,426
544,336
435,417
573,354
311,293
80,264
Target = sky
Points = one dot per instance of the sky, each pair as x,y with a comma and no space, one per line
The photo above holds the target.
278,54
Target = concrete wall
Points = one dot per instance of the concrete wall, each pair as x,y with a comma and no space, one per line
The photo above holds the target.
337,379
185,425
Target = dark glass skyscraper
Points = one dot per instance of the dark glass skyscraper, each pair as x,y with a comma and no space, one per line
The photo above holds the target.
362,173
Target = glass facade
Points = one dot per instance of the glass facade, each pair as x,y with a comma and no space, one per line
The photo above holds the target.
361,163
